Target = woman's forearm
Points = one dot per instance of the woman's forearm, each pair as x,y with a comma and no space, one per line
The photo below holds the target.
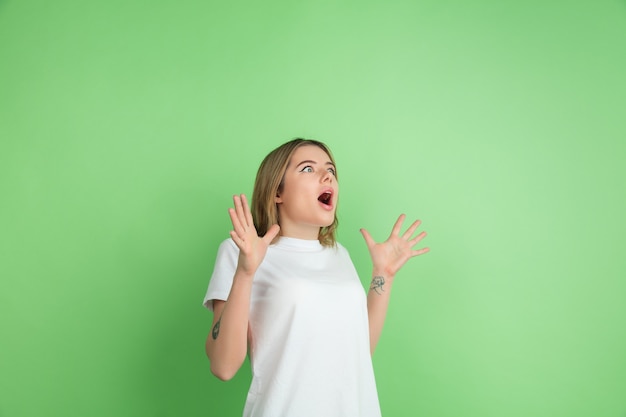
227,343
377,304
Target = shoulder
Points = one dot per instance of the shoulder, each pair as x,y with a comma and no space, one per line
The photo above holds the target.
342,255
340,246
227,249
228,245
340,249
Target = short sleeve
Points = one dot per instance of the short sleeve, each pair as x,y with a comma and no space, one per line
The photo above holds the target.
223,273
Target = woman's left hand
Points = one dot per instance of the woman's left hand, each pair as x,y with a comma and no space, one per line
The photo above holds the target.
389,256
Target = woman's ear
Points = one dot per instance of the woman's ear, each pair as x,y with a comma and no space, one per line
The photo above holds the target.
278,199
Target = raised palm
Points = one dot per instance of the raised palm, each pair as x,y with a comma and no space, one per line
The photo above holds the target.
252,247
389,256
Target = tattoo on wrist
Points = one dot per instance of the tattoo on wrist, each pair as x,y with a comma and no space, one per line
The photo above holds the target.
378,283
216,329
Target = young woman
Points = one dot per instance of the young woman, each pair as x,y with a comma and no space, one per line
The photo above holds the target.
285,292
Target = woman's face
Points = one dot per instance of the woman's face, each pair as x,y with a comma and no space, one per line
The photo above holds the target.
310,193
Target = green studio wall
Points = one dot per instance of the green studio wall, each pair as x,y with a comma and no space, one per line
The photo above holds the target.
125,128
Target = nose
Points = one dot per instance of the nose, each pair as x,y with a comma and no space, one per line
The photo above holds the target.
327,177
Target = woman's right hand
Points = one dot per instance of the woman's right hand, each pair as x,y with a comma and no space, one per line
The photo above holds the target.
252,248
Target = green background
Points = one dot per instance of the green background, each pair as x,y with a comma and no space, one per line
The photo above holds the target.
125,128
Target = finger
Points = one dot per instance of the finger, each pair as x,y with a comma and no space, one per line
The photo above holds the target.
419,252
368,238
240,213
417,238
238,228
236,239
410,230
247,211
271,233
396,227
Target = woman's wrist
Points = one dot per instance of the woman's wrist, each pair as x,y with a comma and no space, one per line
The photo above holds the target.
381,282
243,275
383,272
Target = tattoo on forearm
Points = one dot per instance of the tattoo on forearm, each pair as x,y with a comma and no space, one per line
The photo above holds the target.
216,329
378,283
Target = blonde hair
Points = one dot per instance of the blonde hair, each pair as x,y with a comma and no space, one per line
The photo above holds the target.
270,181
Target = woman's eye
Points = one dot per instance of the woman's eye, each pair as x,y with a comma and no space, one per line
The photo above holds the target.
307,168
332,171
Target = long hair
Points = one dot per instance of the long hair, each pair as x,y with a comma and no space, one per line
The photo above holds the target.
270,181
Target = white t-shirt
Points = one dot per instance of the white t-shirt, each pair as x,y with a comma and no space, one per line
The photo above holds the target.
309,347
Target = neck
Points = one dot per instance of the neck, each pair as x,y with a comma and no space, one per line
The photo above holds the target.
299,231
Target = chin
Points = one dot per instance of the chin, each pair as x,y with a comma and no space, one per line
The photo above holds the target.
328,223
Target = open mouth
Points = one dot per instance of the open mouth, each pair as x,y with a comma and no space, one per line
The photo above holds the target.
325,198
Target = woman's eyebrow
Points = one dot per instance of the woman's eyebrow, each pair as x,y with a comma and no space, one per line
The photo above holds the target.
309,161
